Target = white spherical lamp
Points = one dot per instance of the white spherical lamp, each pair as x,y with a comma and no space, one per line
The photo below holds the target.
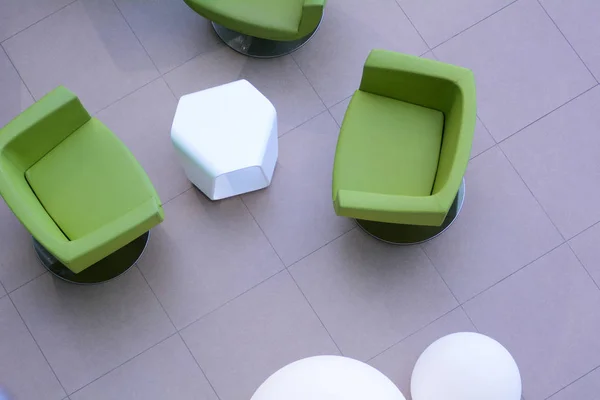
327,378
466,366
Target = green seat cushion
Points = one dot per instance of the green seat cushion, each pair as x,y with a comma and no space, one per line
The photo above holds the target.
89,180
271,19
387,146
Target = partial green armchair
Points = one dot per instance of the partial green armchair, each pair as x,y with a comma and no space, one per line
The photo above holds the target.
77,189
262,28
404,146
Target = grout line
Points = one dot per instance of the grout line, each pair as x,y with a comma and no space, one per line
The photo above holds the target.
578,379
422,248
448,286
136,36
315,312
583,265
262,231
37,344
532,194
198,364
124,362
413,333
483,152
586,229
567,40
308,80
305,122
290,274
312,252
512,273
545,115
177,332
180,194
44,272
126,95
17,71
486,128
230,300
414,27
38,21
476,23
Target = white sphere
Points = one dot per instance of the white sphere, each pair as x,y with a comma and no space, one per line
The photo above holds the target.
328,378
466,366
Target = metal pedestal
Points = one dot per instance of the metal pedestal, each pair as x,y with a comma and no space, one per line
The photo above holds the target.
256,47
104,270
413,234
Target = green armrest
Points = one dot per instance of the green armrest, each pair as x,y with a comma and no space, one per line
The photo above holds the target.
311,16
415,210
81,253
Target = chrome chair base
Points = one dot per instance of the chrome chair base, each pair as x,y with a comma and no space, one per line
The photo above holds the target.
413,234
257,47
104,270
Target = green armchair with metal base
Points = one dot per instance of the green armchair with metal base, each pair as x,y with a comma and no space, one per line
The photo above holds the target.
404,146
77,189
262,28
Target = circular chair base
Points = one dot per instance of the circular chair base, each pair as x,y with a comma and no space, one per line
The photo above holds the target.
413,234
257,47
104,270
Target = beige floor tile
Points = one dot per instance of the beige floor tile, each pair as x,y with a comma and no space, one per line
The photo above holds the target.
279,79
85,331
166,371
170,31
587,249
18,261
558,158
369,294
578,20
547,316
334,58
143,121
296,211
439,20
586,388
501,228
243,343
24,373
205,254
17,15
397,362
15,96
523,72
87,47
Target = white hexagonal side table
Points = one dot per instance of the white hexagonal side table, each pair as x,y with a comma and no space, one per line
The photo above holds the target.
226,139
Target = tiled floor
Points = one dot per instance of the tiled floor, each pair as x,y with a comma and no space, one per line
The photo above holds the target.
230,291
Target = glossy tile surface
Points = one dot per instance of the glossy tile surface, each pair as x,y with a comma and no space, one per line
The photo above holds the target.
551,331
261,331
522,72
165,371
370,295
228,292
557,157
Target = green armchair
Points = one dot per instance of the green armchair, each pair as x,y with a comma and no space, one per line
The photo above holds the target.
404,146
262,28
77,189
